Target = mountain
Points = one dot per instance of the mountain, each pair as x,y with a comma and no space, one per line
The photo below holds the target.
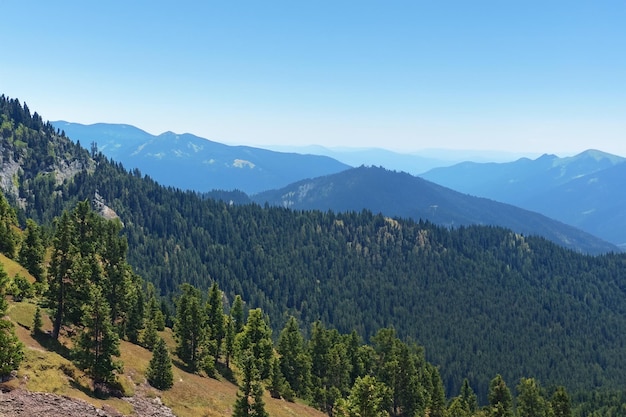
414,163
400,194
481,300
189,162
583,190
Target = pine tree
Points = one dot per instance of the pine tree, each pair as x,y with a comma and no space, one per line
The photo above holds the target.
8,228
64,254
215,321
32,251
560,403
250,386
37,323
438,396
530,402
500,399
295,363
256,338
468,397
189,327
159,372
229,339
368,398
236,312
96,346
11,349
149,336
136,316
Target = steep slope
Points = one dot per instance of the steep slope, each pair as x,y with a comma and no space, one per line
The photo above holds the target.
561,188
189,162
400,194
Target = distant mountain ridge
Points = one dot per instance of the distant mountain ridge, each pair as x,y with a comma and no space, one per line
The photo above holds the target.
585,190
403,195
189,162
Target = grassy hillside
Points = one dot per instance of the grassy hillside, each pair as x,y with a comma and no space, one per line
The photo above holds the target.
46,368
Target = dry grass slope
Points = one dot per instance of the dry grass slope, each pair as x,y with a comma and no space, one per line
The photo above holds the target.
47,369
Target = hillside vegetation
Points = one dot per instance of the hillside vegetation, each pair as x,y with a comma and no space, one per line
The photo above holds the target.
481,300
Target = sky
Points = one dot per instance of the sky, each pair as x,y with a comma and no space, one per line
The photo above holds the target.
516,76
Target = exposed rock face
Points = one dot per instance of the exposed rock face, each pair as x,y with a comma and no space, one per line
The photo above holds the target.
20,403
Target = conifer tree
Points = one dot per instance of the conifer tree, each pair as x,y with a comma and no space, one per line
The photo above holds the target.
159,372
560,403
64,254
368,398
530,402
8,228
438,396
295,363
32,251
189,327
256,338
96,346
468,397
149,336
236,312
500,399
215,321
229,339
249,387
11,349
37,323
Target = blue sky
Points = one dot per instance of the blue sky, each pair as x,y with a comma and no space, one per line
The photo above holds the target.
520,76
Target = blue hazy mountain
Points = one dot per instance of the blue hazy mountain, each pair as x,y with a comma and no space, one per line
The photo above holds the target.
403,195
585,190
193,163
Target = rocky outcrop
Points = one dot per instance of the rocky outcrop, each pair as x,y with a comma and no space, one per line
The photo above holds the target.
21,403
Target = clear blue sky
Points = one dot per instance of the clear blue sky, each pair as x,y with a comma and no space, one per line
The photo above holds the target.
524,76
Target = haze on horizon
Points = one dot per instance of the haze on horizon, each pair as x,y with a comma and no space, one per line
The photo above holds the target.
524,77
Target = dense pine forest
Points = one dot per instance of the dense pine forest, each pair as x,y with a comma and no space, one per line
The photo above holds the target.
482,301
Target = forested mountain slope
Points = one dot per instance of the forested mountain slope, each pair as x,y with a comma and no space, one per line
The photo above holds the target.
482,300
403,195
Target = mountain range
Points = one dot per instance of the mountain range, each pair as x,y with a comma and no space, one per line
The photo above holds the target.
189,162
306,181
585,190
402,195
482,300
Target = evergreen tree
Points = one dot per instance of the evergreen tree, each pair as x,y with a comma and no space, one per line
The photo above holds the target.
256,338
215,320
236,312
500,399
136,317
295,362
11,349
250,386
9,237
530,402
560,403
368,398
229,339
32,251
278,386
64,254
149,336
189,327
438,396
96,346
159,372
468,397
37,323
